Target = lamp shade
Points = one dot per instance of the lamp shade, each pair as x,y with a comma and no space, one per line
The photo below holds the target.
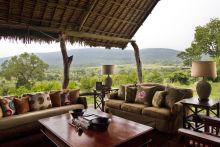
204,69
107,69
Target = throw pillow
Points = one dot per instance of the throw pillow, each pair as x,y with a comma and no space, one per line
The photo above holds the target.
55,97
22,105
72,96
173,95
131,94
7,106
39,101
145,94
1,113
159,99
122,91
63,96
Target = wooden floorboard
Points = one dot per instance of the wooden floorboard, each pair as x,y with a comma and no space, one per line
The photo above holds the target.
159,139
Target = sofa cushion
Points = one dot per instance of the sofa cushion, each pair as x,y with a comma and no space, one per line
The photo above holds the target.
130,94
1,113
39,101
173,95
22,105
114,103
159,99
7,106
72,96
134,108
122,91
145,94
63,94
30,117
55,98
161,113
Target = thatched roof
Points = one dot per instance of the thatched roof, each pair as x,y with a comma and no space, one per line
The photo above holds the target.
108,23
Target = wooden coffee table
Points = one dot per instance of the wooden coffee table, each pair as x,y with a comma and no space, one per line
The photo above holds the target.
121,132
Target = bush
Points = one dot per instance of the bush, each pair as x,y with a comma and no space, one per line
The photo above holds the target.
180,76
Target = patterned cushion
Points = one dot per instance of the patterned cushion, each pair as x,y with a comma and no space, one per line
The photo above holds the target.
55,98
130,94
22,105
39,101
159,99
173,95
7,106
145,94
72,96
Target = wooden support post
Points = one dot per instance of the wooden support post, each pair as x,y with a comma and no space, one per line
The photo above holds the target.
138,61
66,62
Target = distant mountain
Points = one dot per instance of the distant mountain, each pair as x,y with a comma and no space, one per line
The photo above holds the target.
99,56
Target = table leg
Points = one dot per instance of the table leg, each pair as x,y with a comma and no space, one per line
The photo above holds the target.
196,113
184,116
95,96
207,111
217,110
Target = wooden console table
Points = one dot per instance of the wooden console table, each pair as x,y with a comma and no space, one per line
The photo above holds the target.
196,108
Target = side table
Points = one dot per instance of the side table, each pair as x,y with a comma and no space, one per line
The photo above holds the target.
194,120
99,97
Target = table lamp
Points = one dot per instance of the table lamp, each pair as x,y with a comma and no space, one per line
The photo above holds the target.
204,69
108,70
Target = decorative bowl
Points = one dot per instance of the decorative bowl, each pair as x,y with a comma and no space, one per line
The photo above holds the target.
100,124
77,112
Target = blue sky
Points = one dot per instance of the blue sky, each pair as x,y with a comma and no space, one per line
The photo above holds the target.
170,25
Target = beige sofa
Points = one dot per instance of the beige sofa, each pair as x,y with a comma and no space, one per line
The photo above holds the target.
163,119
21,125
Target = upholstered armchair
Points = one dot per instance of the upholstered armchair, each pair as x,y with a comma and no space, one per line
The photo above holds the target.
209,138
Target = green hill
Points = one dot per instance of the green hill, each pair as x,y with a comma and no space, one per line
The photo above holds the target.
99,56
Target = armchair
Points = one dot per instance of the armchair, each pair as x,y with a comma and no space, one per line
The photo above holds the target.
209,138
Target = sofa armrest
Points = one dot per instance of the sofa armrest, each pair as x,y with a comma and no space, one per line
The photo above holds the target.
177,108
83,101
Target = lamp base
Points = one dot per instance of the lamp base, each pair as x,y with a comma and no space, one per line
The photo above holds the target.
203,89
108,82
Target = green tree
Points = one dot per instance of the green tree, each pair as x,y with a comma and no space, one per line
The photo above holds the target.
25,68
206,41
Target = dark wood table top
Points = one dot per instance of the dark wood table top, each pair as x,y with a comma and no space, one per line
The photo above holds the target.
120,130
195,102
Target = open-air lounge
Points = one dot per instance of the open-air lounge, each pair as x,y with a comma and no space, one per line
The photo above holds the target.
131,115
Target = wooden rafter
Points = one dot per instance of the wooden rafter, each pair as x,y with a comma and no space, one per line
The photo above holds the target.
44,11
10,9
62,16
116,13
35,4
125,6
69,33
69,19
124,26
87,14
54,12
149,9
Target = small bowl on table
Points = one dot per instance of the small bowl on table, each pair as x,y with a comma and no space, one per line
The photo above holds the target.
100,124
77,112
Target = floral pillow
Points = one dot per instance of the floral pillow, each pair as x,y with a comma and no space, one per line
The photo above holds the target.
39,101
8,106
145,94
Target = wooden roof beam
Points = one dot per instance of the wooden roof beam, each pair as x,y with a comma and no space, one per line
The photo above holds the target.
68,33
126,7
110,17
87,14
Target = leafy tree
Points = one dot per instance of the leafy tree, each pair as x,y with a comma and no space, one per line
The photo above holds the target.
179,76
25,68
206,41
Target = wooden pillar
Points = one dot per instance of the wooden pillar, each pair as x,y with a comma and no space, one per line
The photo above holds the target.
66,62
138,61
